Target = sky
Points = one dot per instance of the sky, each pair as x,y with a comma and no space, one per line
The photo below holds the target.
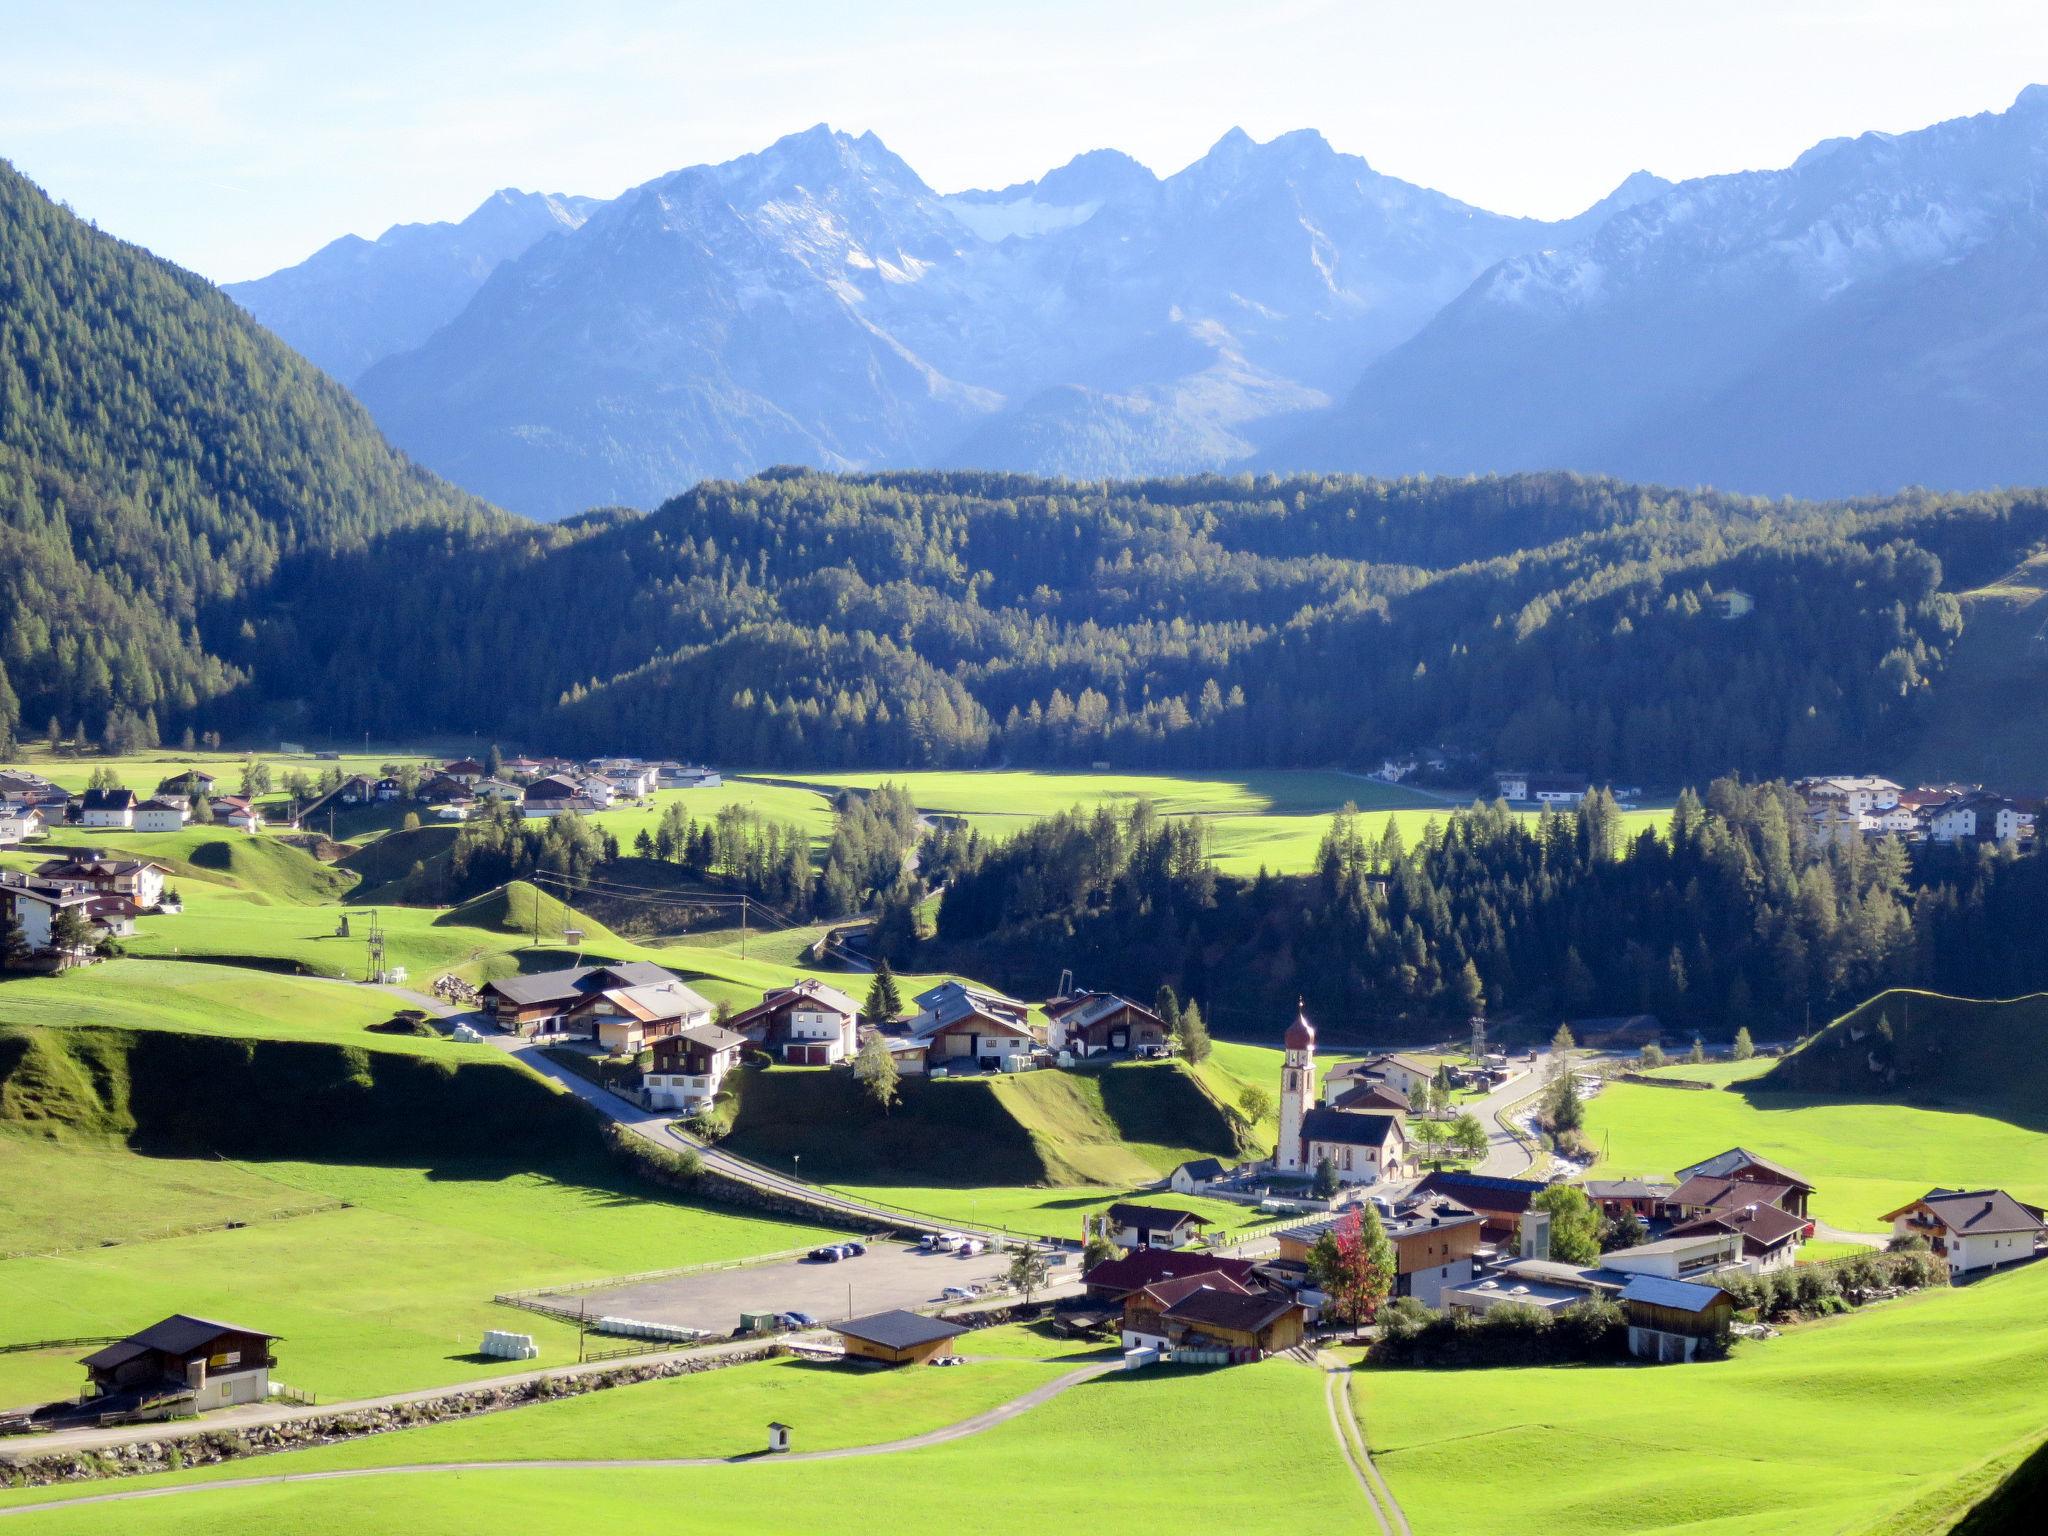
238,138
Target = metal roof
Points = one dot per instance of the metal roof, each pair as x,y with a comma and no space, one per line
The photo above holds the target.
1679,1295
898,1329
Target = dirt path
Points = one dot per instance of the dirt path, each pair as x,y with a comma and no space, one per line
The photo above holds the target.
1002,1413
1386,1509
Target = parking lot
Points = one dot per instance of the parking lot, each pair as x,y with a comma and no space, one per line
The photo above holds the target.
887,1275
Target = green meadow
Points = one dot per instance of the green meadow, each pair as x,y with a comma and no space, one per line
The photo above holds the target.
1865,1158
1125,1447
1895,1418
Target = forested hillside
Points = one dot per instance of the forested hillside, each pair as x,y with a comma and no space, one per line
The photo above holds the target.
1738,918
160,455
200,532
929,618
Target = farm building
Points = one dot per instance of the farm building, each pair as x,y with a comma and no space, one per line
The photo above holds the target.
1739,1165
1086,1023
539,1004
626,1020
178,1366
1500,1202
1258,1324
1669,1319
897,1338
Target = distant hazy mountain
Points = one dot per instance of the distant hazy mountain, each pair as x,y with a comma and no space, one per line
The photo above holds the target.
817,302
355,301
1874,315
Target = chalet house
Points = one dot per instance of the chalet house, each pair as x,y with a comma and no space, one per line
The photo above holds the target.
498,789
898,1338
238,813
1371,1094
178,1366
1144,1321
1086,1023
962,1026
194,781
1152,1226
1400,1072
1741,1165
34,904
1973,1229
162,813
1982,816
140,880
465,770
539,1004
1196,1175
626,1020
443,786
1362,1146
523,767
808,1024
1434,1239
1857,796
689,1067
1249,1326
1770,1236
599,792
1552,789
1112,1280
635,782
356,790
681,776
1499,1202
1668,1320
107,808
19,823
20,787
1645,1197
551,789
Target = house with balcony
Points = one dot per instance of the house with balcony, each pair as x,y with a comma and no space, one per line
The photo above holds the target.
689,1067
1972,1229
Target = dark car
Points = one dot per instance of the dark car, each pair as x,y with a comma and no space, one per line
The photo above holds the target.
827,1255
853,1250
798,1320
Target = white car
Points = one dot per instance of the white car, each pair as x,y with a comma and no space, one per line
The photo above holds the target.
957,1293
949,1242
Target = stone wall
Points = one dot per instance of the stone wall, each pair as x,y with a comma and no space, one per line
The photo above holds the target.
192,1446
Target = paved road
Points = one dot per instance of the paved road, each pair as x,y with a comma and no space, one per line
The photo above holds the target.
980,1422
1506,1155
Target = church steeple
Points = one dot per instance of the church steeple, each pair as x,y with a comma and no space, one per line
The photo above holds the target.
1297,1090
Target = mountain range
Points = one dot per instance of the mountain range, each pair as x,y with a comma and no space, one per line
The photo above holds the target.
817,302
1868,317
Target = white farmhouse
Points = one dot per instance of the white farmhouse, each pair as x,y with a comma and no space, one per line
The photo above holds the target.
1972,1229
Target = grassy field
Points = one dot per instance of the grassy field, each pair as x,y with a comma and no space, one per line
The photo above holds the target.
1832,1427
403,1182
1184,1429
1865,1158
1273,819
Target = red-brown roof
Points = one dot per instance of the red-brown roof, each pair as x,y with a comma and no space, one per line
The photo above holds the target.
1136,1270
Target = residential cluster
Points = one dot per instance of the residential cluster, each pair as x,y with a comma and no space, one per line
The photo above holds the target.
1846,809
62,913
543,786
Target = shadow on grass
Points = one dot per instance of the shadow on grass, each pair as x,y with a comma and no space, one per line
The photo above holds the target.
2022,1112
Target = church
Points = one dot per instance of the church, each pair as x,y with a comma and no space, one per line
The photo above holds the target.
1364,1146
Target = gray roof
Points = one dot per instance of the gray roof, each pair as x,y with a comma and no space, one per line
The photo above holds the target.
1349,1127
1679,1295
898,1329
1202,1168
1724,1164
175,1335
1970,1212
560,986
950,1002
1626,1189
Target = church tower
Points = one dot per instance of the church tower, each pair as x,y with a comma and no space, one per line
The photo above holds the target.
1297,1093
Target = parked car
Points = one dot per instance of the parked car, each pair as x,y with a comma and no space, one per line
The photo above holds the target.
957,1293
798,1320
853,1250
829,1254
948,1242
972,1246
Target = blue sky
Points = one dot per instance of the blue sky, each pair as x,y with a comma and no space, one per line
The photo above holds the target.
238,138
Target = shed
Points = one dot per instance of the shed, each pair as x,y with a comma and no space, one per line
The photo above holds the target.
897,1337
1667,1319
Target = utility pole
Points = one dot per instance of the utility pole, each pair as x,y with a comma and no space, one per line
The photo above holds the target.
743,925
536,909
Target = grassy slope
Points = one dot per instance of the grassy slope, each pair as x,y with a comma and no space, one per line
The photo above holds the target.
461,1177
1826,1429
1865,1158
1136,1445
1973,732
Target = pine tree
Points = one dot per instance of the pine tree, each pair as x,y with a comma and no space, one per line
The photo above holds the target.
1193,1040
875,1070
1744,1046
883,1002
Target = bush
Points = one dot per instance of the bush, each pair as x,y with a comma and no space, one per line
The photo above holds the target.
1514,1334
